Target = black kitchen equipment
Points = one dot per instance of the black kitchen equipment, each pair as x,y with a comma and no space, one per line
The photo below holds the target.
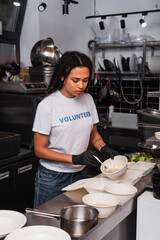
17,115
75,219
108,65
156,184
9,144
41,74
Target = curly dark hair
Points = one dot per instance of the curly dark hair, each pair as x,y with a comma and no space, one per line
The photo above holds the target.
68,61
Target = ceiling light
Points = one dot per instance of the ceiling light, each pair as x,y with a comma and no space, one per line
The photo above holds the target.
101,25
122,22
16,3
42,6
143,22
65,9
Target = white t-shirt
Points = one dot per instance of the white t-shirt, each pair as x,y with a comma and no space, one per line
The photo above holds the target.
68,122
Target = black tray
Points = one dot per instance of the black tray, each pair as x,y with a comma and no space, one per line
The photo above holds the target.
9,144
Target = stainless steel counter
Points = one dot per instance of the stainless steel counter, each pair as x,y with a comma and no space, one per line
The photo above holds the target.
120,225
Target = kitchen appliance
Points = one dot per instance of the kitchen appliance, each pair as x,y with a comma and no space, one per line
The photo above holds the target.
23,87
9,141
17,114
41,74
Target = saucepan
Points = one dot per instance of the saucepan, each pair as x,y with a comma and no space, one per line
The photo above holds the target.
75,219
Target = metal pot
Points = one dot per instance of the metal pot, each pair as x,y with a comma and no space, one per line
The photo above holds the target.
149,116
75,219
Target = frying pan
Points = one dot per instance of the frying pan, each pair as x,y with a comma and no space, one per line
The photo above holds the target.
75,219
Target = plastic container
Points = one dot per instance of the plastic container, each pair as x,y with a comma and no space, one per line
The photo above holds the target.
111,110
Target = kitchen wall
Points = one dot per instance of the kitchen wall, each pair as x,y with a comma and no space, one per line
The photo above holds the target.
73,32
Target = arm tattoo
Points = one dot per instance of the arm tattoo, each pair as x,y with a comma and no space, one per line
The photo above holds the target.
99,145
99,139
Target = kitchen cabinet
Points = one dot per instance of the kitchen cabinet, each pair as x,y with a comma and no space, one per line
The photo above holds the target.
136,84
17,184
7,187
24,183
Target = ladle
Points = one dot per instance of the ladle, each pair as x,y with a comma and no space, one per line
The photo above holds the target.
106,168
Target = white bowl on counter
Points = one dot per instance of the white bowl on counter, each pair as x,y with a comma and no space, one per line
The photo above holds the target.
117,167
97,184
123,192
157,135
103,202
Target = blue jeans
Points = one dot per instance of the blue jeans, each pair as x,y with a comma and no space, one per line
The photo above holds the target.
48,183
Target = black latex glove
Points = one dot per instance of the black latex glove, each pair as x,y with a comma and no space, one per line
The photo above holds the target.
85,158
108,152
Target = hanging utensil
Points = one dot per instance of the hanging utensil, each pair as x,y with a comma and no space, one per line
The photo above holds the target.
102,93
114,96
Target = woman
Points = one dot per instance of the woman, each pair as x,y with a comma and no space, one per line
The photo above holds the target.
65,123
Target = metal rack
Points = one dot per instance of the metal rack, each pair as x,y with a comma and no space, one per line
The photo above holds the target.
120,45
143,46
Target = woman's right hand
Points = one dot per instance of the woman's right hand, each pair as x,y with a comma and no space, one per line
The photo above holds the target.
85,158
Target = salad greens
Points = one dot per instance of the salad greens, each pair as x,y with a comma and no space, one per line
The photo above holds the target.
142,156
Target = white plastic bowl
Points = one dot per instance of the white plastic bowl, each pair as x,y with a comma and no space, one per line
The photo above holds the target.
97,184
119,162
103,202
123,192
157,135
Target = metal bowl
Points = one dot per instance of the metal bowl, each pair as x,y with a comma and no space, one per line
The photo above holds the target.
45,53
149,116
152,149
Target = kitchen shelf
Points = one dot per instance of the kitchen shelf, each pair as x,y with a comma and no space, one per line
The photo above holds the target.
113,73
154,94
130,75
120,45
134,83
131,44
